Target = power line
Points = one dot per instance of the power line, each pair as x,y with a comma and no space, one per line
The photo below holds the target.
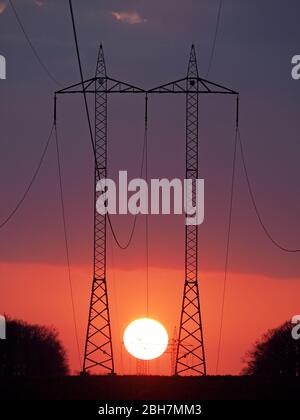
66,243
23,197
147,216
82,84
91,132
212,53
227,245
89,120
266,231
144,157
36,54
116,304
253,200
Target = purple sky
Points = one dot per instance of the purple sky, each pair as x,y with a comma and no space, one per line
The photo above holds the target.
147,43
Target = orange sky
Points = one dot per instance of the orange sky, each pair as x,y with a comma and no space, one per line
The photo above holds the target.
40,293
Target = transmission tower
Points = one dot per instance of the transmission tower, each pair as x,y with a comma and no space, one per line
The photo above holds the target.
173,351
98,347
190,350
98,355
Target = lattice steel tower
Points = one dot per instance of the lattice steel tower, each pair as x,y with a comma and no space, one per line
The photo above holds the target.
190,351
98,352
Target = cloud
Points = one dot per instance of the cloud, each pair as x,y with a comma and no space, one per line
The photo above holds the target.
39,3
3,6
132,18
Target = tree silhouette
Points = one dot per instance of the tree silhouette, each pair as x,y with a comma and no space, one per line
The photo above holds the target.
31,350
276,354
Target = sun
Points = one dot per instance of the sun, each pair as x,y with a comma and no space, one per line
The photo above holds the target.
145,339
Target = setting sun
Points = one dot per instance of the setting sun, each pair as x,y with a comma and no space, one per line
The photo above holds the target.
145,339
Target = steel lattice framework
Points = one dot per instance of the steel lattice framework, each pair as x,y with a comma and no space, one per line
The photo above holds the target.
190,350
98,356
98,345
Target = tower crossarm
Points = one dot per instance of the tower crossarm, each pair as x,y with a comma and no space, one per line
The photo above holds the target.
201,86
102,84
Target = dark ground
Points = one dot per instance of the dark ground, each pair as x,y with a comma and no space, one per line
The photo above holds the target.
151,387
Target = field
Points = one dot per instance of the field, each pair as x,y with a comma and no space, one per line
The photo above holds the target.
150,387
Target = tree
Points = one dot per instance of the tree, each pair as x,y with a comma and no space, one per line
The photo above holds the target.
276,354
31,350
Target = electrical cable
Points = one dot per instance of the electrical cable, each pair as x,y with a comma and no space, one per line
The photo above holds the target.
215,38
255,206
66,242
27,190
228,236
259,217
147,215
36,54
113,278
82,84
144,155
91,133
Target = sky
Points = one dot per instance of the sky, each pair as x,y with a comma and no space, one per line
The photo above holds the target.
147,43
